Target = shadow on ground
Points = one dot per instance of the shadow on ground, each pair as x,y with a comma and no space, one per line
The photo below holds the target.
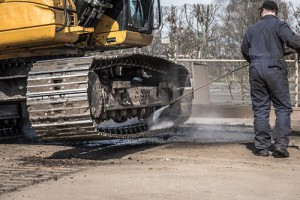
66,153
101,153
116,149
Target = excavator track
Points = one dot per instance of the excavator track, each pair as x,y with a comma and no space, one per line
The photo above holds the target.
60,108
9,129
48,89
13,78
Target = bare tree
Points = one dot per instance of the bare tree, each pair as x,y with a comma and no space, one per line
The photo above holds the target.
192,30
206,27
295,17
156,48
188,37
172,19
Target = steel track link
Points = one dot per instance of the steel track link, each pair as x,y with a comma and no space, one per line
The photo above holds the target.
57,98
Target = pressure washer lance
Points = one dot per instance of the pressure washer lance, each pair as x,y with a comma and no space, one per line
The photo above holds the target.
155,117
194,90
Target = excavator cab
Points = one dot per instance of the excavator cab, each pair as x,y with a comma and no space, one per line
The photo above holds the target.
96,24
128,23
133,15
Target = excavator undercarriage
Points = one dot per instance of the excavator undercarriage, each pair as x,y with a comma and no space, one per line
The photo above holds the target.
51,88
95,97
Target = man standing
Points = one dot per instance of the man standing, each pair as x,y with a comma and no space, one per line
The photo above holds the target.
263,48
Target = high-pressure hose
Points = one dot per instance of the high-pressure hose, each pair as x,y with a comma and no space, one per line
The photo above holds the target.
173,102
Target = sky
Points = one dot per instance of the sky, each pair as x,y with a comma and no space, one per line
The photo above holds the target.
181,2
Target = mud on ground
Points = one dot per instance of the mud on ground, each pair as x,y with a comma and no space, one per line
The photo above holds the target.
192,162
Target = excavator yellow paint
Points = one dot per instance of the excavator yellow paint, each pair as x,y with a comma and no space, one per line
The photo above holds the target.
50,3
107,24
123,38
108,33
33,23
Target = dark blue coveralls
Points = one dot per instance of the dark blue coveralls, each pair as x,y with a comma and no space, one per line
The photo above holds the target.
263,48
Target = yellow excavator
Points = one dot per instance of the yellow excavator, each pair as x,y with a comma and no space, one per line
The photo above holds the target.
64,77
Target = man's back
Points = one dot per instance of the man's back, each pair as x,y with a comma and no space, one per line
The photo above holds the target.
264,41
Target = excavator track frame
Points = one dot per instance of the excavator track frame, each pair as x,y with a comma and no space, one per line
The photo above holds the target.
56,104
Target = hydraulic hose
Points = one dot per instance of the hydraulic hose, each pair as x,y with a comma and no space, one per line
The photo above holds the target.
66,17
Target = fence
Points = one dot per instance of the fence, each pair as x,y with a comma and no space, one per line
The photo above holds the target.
233,89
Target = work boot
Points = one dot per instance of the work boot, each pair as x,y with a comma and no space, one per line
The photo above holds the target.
262,152
282,152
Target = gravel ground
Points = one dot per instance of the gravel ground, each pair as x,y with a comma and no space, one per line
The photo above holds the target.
192,162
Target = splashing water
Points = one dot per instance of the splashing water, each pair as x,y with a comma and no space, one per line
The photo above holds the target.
156,122
159,112
27,130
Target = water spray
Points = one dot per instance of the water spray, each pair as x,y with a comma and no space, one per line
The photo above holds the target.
154,119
